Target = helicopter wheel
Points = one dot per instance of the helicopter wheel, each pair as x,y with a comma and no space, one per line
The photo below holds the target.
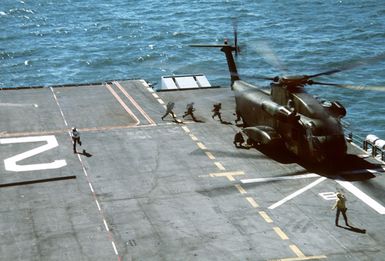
252,143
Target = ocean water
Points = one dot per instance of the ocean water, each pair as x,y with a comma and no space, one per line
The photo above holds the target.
52,42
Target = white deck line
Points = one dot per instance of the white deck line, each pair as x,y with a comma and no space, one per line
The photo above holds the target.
260,180
362,196
298,192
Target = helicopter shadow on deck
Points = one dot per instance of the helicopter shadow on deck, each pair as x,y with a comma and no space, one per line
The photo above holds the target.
349,168
277,153
237,154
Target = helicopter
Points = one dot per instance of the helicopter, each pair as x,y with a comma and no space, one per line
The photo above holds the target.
308,127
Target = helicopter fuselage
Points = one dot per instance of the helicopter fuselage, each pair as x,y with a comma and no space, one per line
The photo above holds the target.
288,114
292,117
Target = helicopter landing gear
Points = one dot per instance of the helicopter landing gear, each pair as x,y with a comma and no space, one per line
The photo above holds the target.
252,143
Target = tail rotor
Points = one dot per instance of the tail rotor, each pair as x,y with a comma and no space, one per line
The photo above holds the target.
228,49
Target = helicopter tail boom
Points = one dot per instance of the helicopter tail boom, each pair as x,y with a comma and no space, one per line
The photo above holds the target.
228,50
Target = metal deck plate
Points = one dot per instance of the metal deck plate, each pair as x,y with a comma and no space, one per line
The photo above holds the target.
148,189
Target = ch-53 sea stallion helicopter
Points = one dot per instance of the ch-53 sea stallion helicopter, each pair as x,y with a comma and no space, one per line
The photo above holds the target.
309,128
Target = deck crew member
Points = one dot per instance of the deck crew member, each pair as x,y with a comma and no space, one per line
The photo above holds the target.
75,138
216,109
169,107
341,208
239,118
190,111
238,140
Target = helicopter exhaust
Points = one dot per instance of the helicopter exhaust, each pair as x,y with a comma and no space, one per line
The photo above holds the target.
279,111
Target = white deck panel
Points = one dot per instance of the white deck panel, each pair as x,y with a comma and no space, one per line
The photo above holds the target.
169,84
186,82
202,81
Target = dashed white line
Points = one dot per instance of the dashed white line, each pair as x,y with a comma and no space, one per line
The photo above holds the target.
92,189
89,183
84,170
113,245
105,224
57,102
97,203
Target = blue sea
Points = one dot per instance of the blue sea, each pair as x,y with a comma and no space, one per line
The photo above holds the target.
51,42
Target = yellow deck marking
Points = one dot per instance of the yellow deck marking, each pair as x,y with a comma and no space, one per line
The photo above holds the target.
211,156
220,166
282,235
133,101
252,202
193,137
185,129
296,251
265,216
240,189
122,103
201,146
229,175
301,258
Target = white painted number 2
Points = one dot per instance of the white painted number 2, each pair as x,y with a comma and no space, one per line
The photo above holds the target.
11,163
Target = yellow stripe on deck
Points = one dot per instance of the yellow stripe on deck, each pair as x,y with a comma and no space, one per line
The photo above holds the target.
281,234
252,202
266,217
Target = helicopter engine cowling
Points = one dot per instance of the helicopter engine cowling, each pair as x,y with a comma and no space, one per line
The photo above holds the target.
336,109
279,111
262,134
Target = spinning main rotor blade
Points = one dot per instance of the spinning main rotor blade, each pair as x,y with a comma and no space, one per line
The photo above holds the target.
353,87
269,56
208,45
352,65
264,78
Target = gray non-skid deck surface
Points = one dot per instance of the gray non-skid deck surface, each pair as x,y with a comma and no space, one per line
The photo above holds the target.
157,190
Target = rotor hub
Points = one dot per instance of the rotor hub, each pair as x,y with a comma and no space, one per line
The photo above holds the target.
290,81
